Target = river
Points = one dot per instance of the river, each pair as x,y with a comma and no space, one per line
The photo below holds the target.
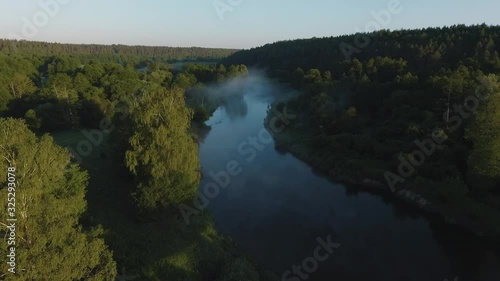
278,208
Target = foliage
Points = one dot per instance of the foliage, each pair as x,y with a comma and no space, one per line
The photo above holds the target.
162,154
113,53
50,198
484,132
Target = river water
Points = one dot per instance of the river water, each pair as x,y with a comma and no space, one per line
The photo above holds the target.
278,208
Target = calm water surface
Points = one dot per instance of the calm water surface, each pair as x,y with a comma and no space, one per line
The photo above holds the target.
278,206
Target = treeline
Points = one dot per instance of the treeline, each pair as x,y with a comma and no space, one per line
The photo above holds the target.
122,52
413,109
49,199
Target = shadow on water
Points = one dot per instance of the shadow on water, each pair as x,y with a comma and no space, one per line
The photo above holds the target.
278,207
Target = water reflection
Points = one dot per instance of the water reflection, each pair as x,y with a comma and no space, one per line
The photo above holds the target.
277,207
235,106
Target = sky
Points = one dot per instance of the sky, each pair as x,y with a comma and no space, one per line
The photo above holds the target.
239,24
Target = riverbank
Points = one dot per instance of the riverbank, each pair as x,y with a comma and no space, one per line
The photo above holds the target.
475,217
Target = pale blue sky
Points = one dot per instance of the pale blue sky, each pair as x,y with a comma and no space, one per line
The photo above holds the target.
250,24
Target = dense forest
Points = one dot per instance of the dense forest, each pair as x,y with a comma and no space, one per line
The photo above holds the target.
414,111
115,53
104,152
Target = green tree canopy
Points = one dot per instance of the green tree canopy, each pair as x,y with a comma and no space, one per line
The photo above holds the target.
484,132
162,153
50,198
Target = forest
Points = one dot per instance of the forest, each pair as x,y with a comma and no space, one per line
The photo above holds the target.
113,53
409,112
96,212
406,110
